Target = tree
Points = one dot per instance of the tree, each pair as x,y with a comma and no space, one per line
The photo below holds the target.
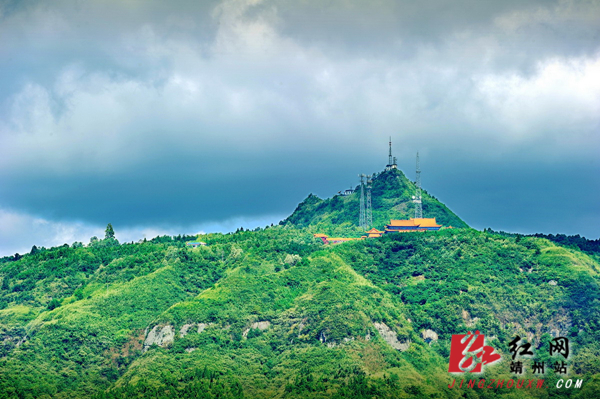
53,304
109,238
110,232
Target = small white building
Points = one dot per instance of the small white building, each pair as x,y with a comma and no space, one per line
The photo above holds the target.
195,244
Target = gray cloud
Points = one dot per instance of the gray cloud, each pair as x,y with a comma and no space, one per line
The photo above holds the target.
147,114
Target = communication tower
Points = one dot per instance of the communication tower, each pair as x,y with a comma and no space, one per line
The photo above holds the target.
391,160
417,197
362,216
369,216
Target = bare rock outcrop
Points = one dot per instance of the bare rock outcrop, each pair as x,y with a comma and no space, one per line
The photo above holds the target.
159,336
391,337
469,322
184,330
202,326
429,336
259,325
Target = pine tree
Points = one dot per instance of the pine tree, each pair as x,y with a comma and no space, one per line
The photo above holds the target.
110,232
109,238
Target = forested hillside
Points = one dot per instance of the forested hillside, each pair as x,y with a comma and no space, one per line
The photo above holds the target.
275,313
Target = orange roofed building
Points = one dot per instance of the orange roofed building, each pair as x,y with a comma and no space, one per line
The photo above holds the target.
395,226
412,224
335,240
374,233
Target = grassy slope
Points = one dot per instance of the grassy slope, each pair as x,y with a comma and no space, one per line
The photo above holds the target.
392,199
448,282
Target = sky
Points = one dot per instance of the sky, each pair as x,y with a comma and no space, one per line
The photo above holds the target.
187,117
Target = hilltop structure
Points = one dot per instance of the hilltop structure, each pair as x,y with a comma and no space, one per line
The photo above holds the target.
417,197
412,224
388,195
369,205
391,160
195,244
335,240
362,219
374,233
395,226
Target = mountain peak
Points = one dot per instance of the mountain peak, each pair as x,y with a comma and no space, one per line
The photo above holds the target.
392,198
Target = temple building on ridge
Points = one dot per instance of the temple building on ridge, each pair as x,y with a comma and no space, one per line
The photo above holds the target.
395,226
412,224
335,240
374,233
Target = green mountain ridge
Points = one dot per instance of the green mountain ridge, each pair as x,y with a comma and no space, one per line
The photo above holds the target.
274,313
392,198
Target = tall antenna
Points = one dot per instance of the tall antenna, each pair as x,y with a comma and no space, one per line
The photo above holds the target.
417,197
362,217
369,216
391,160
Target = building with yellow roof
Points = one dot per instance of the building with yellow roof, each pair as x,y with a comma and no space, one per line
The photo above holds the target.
395,226
412,224
427,222
402,223
335,240
374,233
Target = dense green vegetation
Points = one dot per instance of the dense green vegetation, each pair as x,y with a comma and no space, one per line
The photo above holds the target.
275,313
590,247
321,304
392,196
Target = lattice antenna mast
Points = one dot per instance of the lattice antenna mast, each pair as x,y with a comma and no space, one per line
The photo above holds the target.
369,216
417,197
391,160
362,217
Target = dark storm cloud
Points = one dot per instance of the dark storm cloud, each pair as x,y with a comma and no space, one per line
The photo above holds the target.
524,30
178,118
175,191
